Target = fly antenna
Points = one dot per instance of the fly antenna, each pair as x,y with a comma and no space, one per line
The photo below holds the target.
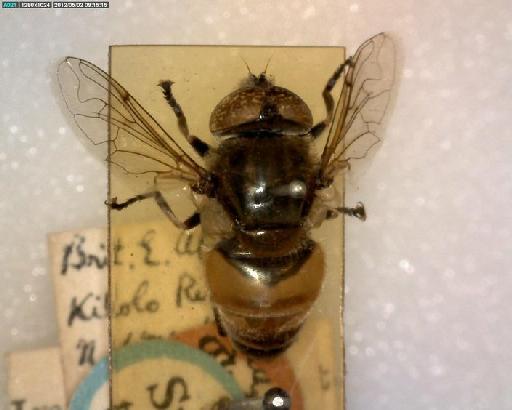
266,65
248,68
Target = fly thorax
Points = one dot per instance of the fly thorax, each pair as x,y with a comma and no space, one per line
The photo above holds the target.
265,183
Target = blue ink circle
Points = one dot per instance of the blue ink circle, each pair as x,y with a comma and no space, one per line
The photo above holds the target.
151,349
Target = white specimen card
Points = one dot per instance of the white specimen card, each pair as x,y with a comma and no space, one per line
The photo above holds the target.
36,380
79,268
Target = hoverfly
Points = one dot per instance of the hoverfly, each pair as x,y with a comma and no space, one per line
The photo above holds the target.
262,182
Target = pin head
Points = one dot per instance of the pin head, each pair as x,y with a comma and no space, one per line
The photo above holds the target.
276,399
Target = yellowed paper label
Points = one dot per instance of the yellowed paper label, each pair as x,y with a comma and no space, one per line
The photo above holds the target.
157,283
161,294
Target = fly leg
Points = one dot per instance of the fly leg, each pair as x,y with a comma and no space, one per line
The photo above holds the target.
328,99
198,144
358,211
189,223
220,328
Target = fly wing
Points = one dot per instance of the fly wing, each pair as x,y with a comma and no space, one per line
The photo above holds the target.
139,144
364,99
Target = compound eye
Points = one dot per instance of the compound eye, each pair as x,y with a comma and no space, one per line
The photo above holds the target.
294,189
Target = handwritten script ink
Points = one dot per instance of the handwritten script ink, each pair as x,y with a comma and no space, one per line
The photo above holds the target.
116,251
175,385
214,347
86,349
89,307
145,243
75,257
20,405
259,377
138,303
124,405
189,289
189,244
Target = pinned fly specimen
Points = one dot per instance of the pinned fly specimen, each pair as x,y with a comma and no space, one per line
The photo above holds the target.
262,181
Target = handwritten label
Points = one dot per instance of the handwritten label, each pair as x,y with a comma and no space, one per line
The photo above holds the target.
159,293
254,375
312,358
187,378
79,268
158,286
36,380
160,290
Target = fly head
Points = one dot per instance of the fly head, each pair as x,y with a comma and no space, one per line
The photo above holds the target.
261,107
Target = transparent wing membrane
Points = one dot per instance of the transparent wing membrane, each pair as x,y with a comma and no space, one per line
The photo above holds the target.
363,102
139,144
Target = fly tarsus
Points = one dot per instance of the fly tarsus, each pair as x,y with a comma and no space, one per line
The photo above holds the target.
189,223
358,211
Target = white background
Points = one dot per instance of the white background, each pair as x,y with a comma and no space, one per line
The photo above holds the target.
429,281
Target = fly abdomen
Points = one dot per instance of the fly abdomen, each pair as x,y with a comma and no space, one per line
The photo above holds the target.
263,301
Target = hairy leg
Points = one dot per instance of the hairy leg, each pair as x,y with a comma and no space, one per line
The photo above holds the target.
199,145
328,99
189,223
